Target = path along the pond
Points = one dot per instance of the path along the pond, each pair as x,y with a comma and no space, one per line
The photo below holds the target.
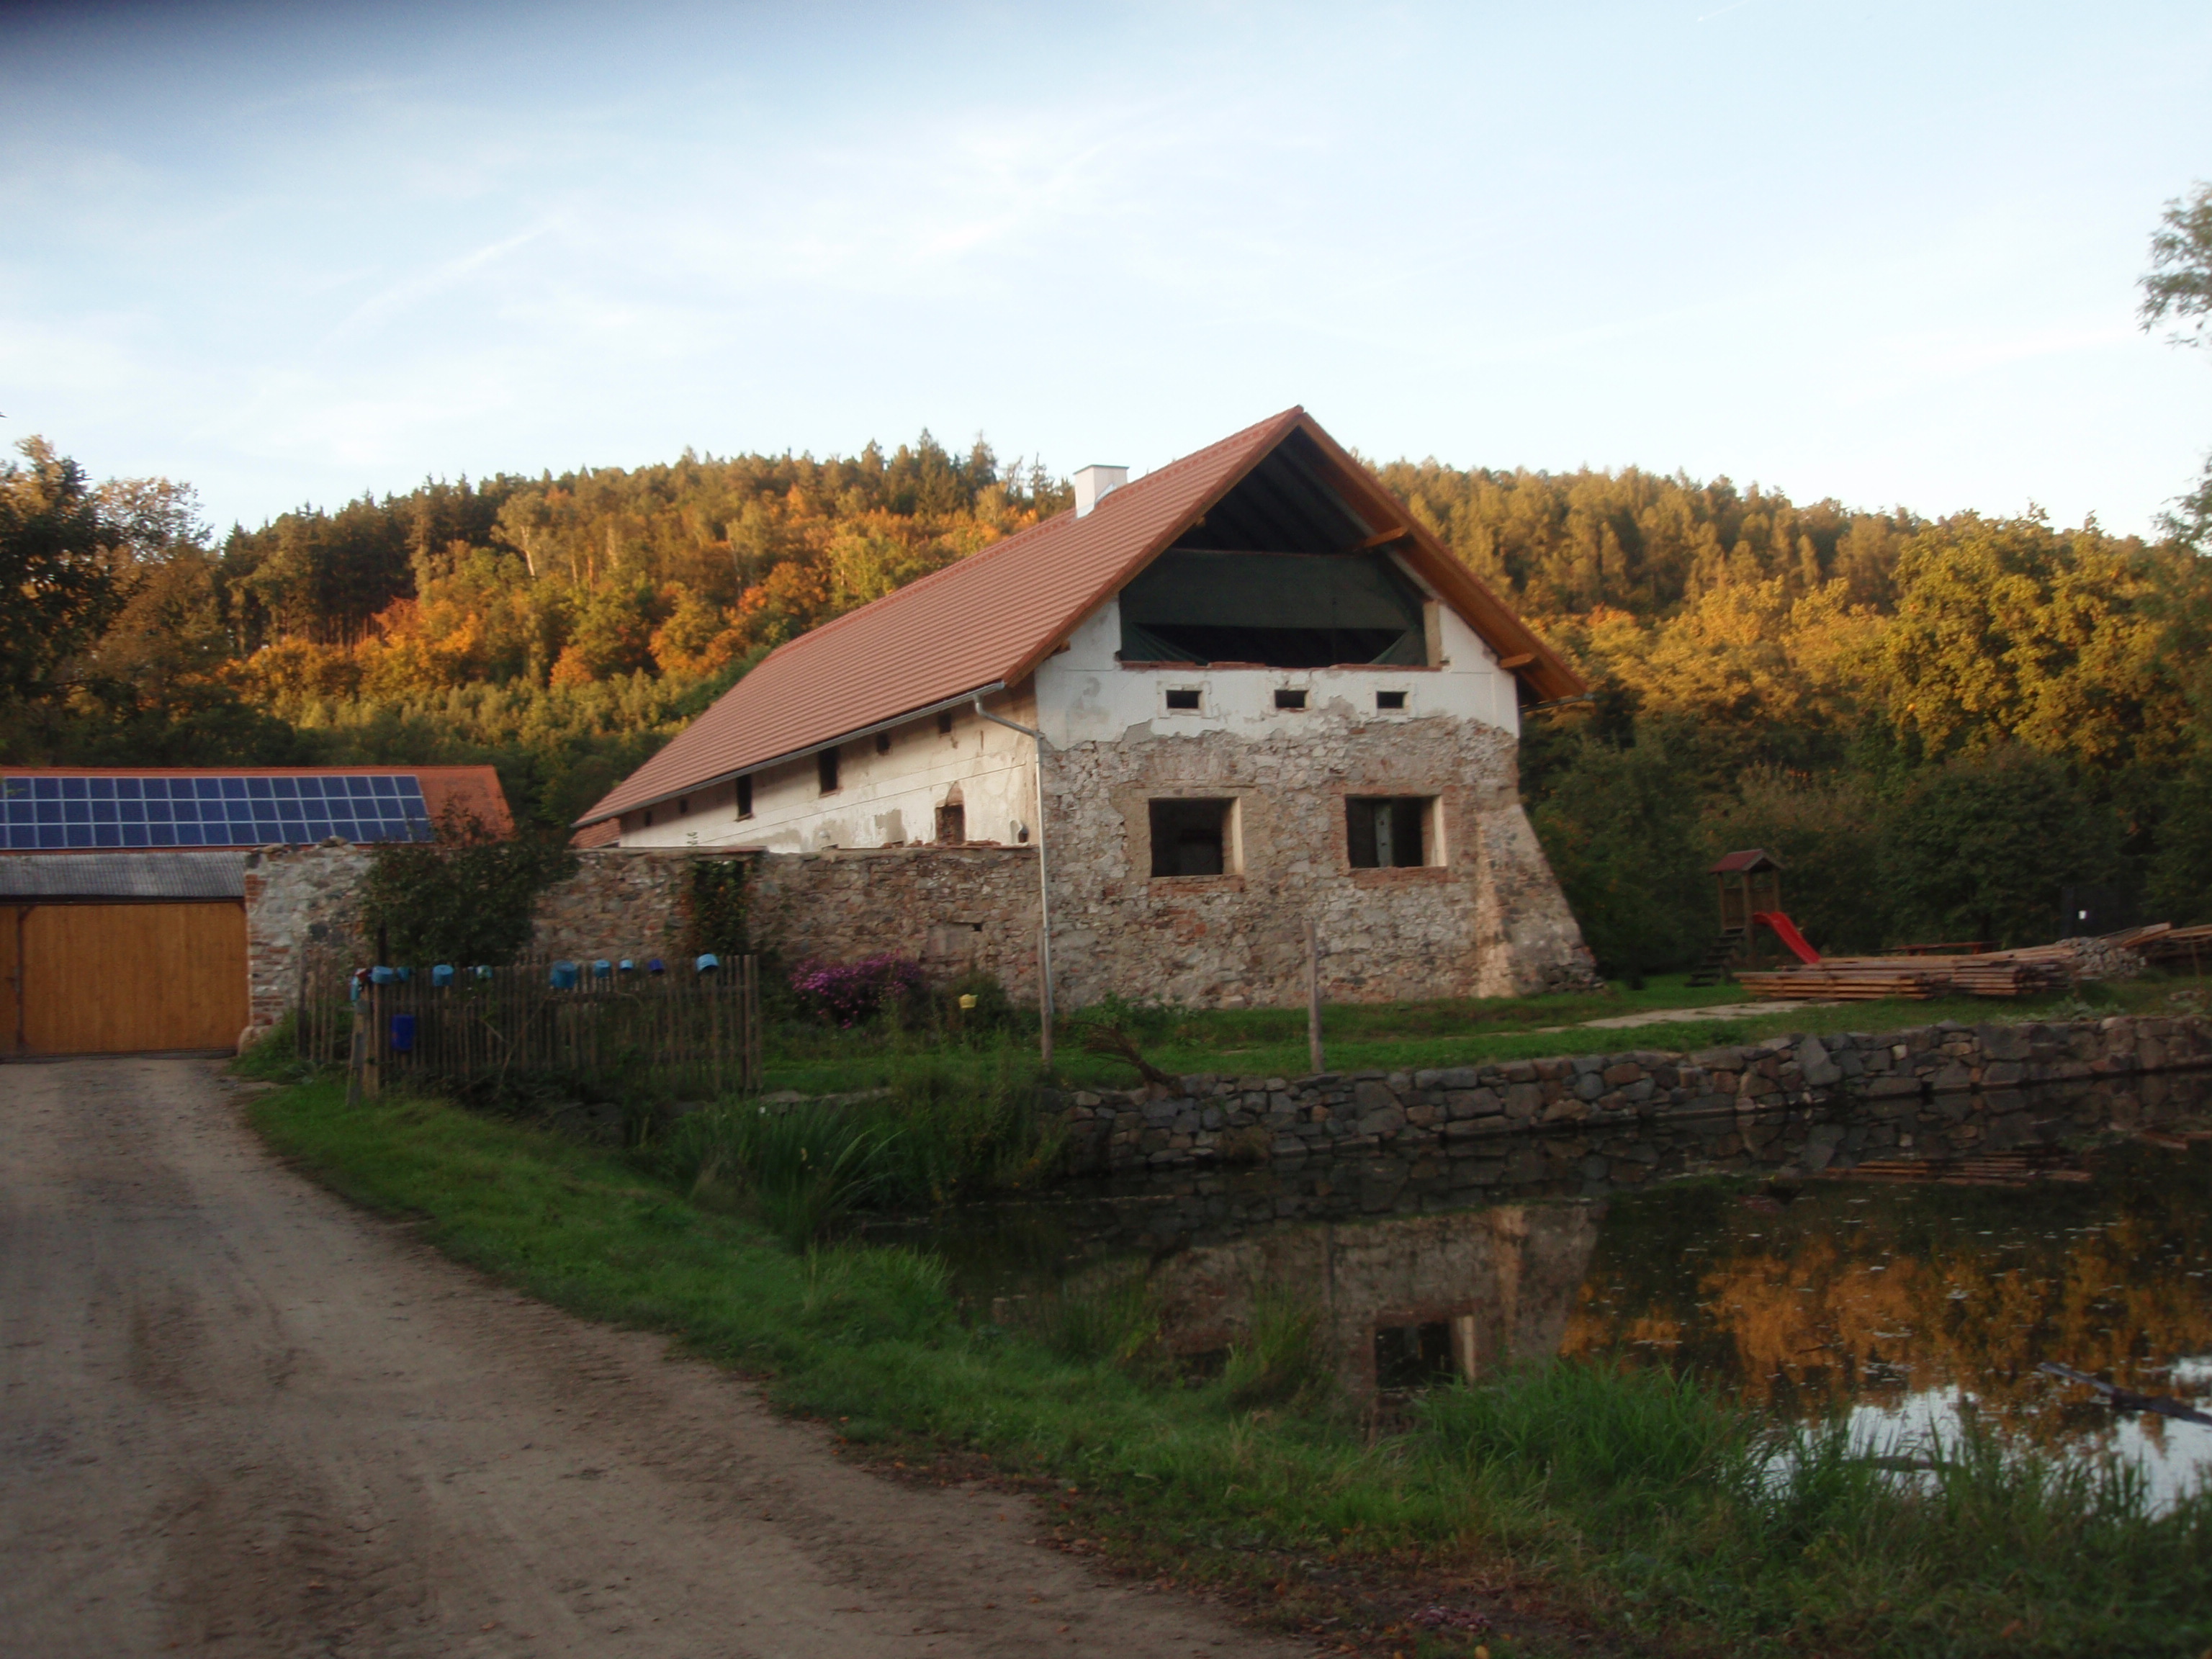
237,1415
1676,1015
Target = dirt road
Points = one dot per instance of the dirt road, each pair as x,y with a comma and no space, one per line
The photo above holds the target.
238,1417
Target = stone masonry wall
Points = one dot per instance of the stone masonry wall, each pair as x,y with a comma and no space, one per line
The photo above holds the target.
618,904
953,908
296,899
1818,1103
1488,920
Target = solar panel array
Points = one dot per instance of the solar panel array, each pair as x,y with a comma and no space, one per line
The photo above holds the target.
47,814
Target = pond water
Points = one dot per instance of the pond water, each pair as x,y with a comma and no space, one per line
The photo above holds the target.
1904,1305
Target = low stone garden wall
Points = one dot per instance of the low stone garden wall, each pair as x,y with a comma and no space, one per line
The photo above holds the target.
1816,1101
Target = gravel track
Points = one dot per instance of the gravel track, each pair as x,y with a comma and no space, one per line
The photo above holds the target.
238,1416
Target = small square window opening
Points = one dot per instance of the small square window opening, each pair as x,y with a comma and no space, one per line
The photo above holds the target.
825,770
1182,700
944,723
1388,701
1289,697
746,796
882,743
1389,832
1190,838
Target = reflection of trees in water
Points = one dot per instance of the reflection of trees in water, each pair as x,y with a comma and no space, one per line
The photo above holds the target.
1866,1292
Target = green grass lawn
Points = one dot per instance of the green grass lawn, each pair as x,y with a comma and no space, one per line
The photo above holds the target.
1411,1035
1656,1512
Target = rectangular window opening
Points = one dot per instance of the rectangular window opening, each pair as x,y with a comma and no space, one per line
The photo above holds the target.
882,743
1289,697
746,796
1190,838
1389,701
825,770
1410,1357
1182,700
944,723
1389,832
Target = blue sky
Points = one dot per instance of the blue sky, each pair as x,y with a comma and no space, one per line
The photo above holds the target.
1886,252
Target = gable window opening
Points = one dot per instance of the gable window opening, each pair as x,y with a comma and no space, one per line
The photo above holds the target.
1290,697
682,805
1191,837
1390,832
825,770
944,723
1390,701
648,817
746,796
1182,700
882,743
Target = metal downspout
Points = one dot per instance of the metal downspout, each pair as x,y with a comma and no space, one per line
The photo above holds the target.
1044,879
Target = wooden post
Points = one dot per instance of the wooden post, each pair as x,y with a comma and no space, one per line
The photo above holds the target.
355,1054
1313,998
372,1063
1044,991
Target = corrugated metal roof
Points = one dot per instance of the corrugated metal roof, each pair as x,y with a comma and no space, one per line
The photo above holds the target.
123,876
992,617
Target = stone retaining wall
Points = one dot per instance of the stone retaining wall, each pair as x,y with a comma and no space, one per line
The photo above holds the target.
953,908
1818,1101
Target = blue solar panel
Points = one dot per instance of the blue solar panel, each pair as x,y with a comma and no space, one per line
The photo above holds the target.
54,814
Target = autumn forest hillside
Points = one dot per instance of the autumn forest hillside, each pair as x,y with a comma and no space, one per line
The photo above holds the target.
1937,723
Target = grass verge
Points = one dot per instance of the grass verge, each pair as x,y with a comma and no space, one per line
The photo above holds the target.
1411,1035
1654,1509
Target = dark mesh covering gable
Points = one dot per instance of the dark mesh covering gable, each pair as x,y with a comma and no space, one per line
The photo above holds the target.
1284,610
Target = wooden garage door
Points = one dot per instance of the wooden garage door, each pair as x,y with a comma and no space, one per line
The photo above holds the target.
109,979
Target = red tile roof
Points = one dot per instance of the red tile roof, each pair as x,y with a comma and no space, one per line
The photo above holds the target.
1757,858
991,618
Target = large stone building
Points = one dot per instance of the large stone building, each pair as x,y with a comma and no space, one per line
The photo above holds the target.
1246,692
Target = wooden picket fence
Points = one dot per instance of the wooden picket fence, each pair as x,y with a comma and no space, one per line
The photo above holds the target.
691,1034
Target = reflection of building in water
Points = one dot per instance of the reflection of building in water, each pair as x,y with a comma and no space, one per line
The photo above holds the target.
1404,1301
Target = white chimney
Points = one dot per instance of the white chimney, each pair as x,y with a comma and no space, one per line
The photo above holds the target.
1093,484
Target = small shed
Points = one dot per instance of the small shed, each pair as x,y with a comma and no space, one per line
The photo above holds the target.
123,926
1750,882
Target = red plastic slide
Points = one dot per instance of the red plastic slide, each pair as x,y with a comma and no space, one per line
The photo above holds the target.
1786,931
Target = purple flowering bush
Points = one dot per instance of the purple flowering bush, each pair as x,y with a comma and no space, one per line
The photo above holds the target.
850,992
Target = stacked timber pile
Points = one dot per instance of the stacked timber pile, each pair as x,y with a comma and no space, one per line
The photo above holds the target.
1852,979
2033,970
2181,947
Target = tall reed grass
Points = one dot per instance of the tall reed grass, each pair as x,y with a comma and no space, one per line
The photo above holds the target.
938,1134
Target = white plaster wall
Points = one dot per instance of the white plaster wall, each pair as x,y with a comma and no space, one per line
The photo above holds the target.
883,799
1085,696
1082,695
